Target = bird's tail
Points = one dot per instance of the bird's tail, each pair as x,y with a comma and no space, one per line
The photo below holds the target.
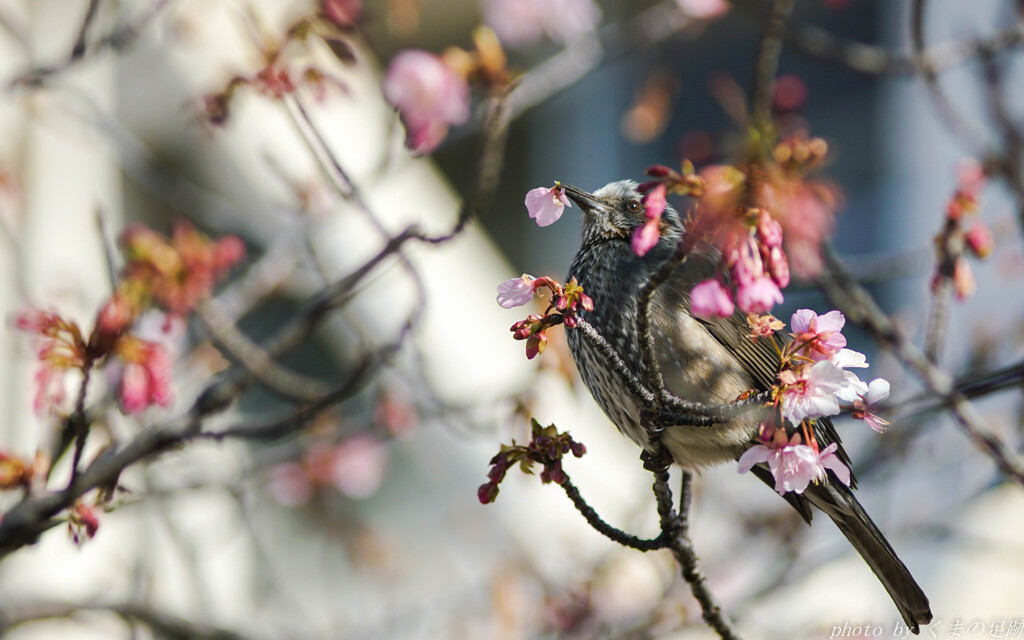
839,503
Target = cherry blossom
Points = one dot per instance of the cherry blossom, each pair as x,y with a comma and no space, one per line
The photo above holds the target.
645,237
704,9
793,465
829,460
812,392
865,406
979,240
519,23
516,292
343,13
429,96
759,296
964,284
763,325
709,299
849,359
147,375
545,205
819,337
359,465
60,347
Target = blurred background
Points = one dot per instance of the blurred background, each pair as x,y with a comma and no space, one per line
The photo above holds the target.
363,520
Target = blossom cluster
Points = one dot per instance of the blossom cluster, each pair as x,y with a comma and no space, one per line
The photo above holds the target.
171,274
955,241
546,447
815,381
566,303
354,467
432,92
666,181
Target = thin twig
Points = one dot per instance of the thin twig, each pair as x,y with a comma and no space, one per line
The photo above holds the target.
274,376
162,624
861,309
78,423
859,57
607,530
767,63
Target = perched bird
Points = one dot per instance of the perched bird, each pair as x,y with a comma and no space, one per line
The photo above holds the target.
711,362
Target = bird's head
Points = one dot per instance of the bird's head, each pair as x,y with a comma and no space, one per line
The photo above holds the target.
615,210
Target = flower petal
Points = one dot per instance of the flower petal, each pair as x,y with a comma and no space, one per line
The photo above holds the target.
752,456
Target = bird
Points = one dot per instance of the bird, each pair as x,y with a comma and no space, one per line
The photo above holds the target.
707,361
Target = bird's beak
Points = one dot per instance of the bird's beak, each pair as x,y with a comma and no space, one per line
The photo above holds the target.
586,201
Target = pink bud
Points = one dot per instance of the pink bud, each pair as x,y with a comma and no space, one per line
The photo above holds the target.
769,229
704,9
658,171
758,296
115,316
645,237
747,265
979,240
230,249
536,344
709,299
963,279
134,389
654,203
778,266
343,13
970,176
487,493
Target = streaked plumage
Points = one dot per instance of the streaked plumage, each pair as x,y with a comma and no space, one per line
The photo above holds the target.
710,362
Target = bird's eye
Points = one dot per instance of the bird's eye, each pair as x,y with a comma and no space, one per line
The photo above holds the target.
633,206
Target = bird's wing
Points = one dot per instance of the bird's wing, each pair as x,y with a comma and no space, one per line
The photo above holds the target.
759,358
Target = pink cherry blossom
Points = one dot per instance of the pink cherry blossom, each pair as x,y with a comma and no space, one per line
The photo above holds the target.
829,460
849,359
709,299
654,202
428,94
704,9
769,229
964,284
290,484
745,261
50,392
645,237
778,266
758,296
866,406
979,240
516,292
545,205
970,176
815,390
519,23
343,13
147,375
793,465
59,346
820,336
359,466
